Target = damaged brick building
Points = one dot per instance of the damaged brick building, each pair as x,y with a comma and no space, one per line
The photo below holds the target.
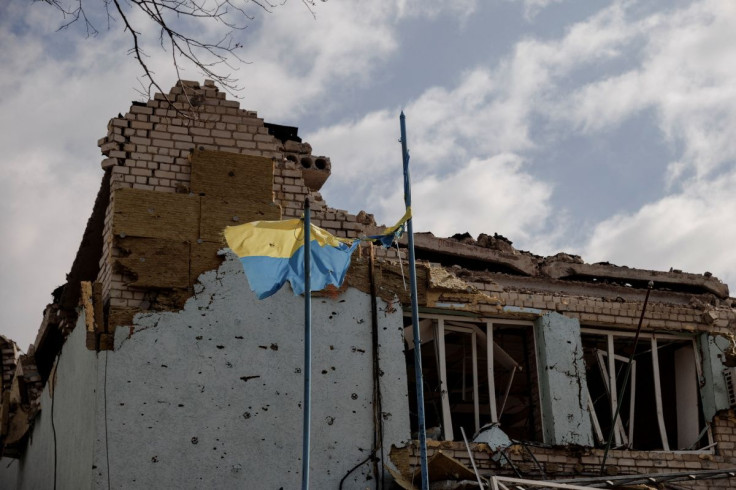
155,365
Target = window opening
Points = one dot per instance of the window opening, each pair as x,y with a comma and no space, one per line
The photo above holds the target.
470,381
661,407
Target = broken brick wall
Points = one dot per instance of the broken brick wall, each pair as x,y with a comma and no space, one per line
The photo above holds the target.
162,147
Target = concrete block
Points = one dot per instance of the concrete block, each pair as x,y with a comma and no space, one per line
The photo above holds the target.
563,384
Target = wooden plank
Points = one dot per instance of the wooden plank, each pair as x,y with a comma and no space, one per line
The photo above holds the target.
89,311
218,212
594,418
97,305
150,214
155,263
441,467
217,173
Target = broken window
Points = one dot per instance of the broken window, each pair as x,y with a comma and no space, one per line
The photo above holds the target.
475,372
660,408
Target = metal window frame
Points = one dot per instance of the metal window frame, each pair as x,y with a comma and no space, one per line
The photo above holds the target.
439,336
653,337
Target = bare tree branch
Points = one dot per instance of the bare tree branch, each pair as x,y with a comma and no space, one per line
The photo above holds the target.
177,22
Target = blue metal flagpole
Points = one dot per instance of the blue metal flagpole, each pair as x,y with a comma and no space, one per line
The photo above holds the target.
307,346
415,311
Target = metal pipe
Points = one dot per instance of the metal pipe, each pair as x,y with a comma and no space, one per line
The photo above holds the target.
414,310
307,345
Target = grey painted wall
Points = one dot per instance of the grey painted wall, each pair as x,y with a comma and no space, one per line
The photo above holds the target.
73,407
562,382
210,397
714,392
8,473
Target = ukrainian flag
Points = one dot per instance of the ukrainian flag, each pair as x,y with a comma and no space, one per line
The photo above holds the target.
272,252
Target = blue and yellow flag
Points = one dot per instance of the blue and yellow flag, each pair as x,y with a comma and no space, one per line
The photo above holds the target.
272,252
392,233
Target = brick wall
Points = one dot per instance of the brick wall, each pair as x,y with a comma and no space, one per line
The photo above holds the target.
604,312
150,148
576,462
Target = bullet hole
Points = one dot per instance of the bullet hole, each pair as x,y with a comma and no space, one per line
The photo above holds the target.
195,440
164,366
198,337
231,174
264,347
121,404
386,415
181,404
361,321
274,346
324,371
229,364
330,420
239,337
297,370
220,346
246,415
354,396
332,367
265,409
154,459
332,347
246,378
236,468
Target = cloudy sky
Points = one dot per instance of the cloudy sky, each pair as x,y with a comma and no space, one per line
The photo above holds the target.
603,128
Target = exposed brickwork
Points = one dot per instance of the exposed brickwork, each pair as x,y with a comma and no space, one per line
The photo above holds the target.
150,148
578,462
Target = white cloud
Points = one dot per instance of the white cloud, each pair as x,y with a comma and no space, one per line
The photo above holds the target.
483,196
297,59
685,73
691,231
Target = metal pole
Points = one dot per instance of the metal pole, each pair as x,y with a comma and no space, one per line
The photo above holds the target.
626,378
307,346
415,311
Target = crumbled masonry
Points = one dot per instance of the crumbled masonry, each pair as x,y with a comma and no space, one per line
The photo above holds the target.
156,366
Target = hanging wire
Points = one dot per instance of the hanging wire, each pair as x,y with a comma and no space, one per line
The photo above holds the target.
401,263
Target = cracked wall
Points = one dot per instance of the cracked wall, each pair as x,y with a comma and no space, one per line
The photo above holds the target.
563,387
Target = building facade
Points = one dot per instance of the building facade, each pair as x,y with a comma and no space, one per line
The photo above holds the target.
156,365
